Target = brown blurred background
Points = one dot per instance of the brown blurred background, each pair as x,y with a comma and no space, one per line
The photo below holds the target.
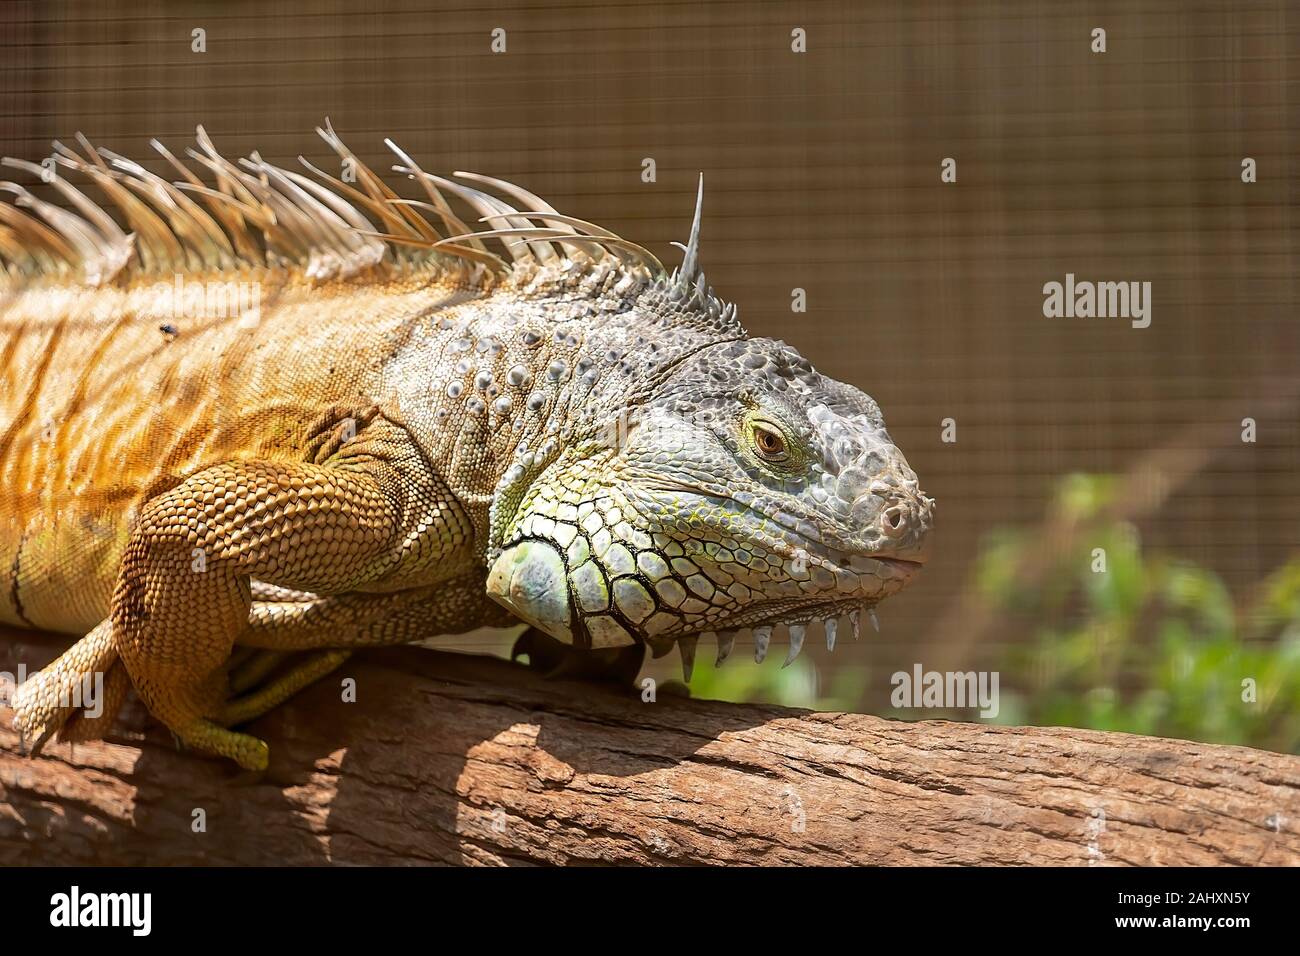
822,172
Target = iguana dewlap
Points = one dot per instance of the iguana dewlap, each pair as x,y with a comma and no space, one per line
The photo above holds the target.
289,411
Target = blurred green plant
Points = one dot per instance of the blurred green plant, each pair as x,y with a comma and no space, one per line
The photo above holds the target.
793,686
1143,643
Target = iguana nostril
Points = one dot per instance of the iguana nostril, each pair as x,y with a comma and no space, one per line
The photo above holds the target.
893,521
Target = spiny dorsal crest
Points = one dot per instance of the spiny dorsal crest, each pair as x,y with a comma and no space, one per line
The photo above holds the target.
252,214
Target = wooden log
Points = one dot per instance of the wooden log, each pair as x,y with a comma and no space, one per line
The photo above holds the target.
454,759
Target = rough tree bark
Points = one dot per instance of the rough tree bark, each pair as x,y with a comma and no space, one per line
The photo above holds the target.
453,759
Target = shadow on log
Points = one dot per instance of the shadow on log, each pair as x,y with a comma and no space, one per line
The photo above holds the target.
454,759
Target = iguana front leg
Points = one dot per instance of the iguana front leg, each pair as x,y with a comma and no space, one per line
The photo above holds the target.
183,592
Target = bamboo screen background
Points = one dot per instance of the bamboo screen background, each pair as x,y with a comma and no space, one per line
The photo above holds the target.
822,172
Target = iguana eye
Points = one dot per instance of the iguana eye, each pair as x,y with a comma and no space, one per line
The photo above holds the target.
769,443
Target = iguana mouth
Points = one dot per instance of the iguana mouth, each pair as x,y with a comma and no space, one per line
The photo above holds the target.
798,538
911,565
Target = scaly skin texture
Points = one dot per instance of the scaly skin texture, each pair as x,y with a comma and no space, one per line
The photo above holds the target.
396,444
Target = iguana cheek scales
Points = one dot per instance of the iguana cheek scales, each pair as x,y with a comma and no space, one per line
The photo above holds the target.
454,409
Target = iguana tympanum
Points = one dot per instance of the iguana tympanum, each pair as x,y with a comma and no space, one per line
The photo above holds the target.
293,412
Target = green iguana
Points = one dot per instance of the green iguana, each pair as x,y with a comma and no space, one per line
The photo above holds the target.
293,412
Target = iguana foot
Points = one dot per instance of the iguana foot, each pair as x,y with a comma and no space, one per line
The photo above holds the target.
556,660
241,710
245,749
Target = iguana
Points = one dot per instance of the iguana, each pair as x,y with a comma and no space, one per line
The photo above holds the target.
290,411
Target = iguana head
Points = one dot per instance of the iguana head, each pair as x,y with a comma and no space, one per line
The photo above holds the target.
716,483
746,491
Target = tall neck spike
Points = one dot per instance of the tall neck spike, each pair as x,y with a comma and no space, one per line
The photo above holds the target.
691,262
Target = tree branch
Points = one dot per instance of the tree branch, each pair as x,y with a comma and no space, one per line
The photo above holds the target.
455,759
